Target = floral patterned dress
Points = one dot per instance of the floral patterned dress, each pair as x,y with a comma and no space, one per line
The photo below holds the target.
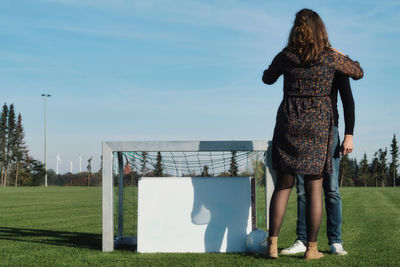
303,131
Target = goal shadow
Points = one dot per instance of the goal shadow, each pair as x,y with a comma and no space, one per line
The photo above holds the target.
51,237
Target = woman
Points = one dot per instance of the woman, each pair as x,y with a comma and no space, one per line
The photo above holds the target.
303,132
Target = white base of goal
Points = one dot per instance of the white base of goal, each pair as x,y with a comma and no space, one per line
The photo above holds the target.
193,214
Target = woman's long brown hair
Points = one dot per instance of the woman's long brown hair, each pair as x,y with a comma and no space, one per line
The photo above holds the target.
308,37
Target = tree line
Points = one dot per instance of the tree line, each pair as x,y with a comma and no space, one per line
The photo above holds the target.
377,172
16,166
84,178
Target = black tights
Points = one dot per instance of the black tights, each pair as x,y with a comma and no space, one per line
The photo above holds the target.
283,187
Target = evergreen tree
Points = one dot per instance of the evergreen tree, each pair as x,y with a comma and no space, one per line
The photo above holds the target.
20,150
355,171
364,170
258,170
10,142
382,170
158,168
3,141
144,162
374,169
89,168
25,172
36,169
205,171
346,171
233,170
101,166
394,151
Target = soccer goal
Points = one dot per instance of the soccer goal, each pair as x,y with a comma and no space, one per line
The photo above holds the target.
189,171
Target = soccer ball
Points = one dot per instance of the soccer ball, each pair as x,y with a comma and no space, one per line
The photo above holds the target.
255,241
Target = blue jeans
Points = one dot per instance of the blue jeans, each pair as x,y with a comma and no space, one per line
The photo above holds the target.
333,202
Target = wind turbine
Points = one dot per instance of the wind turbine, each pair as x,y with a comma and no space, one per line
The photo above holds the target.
70,166
80,163
58,163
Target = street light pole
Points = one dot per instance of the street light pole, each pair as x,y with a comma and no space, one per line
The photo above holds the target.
45,96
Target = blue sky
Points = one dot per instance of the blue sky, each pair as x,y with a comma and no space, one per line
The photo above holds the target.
179,70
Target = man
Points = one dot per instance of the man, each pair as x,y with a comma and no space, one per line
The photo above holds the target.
333,202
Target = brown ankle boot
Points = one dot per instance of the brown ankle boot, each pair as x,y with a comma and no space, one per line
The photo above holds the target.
312,252
272,248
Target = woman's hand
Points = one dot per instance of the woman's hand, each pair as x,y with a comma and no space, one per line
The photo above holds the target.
337,51
347,145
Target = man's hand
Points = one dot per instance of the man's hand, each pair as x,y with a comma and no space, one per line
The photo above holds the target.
347,145
337,51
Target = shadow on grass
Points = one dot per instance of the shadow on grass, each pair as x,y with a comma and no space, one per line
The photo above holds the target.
263,256
58,238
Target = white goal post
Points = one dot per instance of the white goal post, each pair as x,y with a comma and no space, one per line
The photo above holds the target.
110,148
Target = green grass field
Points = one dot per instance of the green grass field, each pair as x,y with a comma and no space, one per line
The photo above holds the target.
61,226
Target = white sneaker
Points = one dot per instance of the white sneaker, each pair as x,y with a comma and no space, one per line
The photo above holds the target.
337,248
297,247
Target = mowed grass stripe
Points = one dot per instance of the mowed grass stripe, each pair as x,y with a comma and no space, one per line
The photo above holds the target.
51,208
43,208
370,231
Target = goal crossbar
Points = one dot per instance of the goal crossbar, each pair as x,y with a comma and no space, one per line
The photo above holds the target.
187,146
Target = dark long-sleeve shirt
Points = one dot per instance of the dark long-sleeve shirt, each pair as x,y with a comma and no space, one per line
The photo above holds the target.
341,83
